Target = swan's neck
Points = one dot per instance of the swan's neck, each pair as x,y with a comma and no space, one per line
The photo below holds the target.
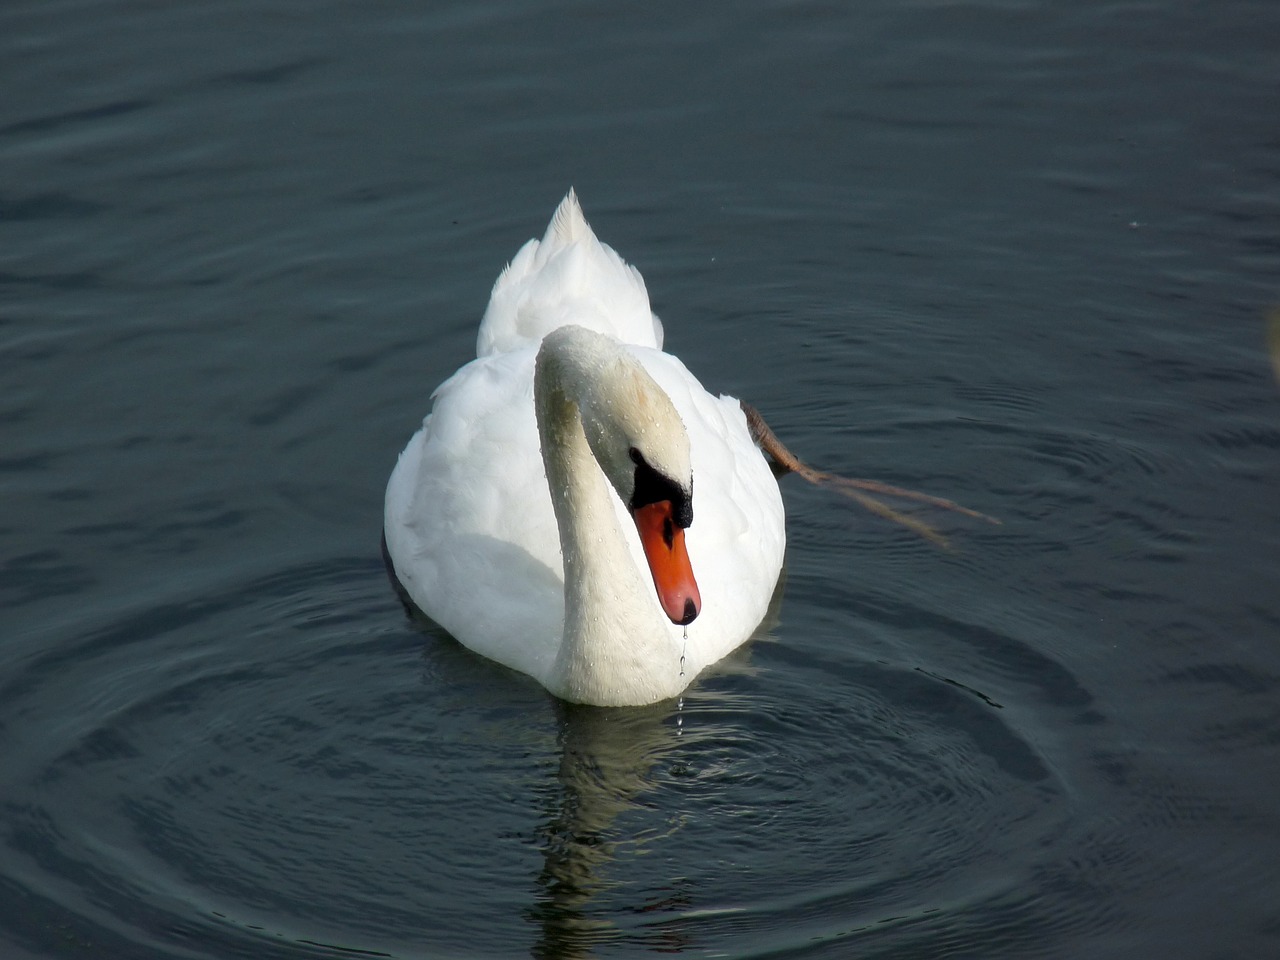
618,647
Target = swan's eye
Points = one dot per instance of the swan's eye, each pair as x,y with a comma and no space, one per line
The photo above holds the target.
655,487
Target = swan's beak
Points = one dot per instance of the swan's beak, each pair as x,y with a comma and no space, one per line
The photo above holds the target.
663,542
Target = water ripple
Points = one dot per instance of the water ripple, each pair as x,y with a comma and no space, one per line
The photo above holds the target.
290,769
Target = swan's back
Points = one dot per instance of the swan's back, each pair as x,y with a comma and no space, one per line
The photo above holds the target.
568,276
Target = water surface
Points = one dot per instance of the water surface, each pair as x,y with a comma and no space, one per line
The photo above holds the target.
1018,254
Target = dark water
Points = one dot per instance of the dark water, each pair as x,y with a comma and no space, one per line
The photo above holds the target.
1020,254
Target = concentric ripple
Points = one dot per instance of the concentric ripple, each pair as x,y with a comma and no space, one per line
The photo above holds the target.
294,769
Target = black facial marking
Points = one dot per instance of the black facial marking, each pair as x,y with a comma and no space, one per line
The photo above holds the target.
668,532
654,487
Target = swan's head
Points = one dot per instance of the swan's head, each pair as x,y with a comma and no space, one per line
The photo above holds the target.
662,509
641,444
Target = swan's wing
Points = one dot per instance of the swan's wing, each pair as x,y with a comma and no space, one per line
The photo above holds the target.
469,521
738,536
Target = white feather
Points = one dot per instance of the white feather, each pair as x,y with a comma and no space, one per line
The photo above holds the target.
470,523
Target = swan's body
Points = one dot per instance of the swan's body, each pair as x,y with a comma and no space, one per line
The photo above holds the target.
476,515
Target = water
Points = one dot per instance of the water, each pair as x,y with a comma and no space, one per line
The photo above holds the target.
1017,254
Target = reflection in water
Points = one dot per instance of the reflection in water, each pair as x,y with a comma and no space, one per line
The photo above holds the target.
610,758
607,759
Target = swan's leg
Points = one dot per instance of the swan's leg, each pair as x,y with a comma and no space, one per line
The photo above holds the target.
784,461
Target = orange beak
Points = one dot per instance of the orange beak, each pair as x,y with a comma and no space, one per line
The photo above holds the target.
663,542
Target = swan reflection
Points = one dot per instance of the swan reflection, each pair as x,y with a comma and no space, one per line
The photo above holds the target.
610,760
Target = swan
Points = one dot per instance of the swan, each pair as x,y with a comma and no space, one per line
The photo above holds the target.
576,505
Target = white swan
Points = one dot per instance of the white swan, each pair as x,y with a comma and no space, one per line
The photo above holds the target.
576,501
